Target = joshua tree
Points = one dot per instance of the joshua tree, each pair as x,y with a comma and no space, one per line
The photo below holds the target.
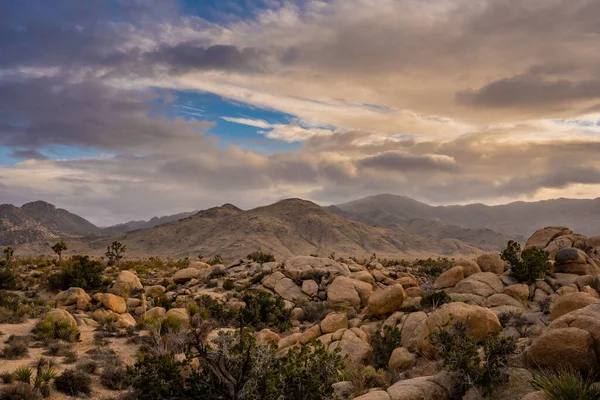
59,248
8,253
114,252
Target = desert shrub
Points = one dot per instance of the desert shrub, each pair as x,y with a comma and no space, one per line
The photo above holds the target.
256,279
460,354
217,273
217,259
314,311
114,377
23,374
87,366
170,324
228,284
515,320
384,344
155,377
364,378
432,300
70,356
265,311
237,368
20,391
163,301
7,377
566,383
16,349
261,257
53,328
81,272
8,278
193,309
528,265
73,383
216,311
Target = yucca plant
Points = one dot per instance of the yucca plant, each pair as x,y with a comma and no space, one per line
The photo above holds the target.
566,384
52,328
23,374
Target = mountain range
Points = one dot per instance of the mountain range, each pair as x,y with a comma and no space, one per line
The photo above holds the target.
386,224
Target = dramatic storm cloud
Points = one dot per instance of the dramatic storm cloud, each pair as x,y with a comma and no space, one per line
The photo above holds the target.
126,109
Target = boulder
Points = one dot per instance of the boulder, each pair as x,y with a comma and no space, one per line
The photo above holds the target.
311,333
556,348
518,291
570,302
449,278
387,300
411,329
186,274
61,315
287,288
310,287
479,321
414,292
125,283
542,237
491,262
470,267
417,389
345,291
353,346
156,313
126,321
518,385
570,255
333,322
73,296
155,291
179,313
114,303
401,360
374,395
267,336
483,284
199,265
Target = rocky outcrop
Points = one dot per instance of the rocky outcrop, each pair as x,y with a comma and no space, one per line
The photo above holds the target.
387,301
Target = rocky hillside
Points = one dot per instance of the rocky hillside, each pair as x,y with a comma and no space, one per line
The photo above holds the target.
391,322
40,221
517,219
151,223
290,227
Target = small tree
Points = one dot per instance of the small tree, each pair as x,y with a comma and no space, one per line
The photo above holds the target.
58,248
528,265
114,252
8,254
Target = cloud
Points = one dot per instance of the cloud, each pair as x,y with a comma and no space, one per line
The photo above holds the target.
397,161
444,101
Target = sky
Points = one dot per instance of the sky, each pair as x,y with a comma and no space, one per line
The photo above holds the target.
126,109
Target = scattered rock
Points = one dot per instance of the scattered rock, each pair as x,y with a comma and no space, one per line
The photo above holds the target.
186,274
114,303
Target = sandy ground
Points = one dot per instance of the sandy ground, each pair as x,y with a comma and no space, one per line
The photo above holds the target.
124,350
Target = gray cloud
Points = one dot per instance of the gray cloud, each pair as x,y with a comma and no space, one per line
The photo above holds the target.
396,161
28,155
530,90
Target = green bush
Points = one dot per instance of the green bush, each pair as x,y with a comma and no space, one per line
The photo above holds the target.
217,259
114,377
384,344
170,324
261,257
526,266
228,284
53,328
20,391
566,384
23,374
81,272
237,368
432,300
163,301
73,383
156,377
265,311
8,278
460,354
15,349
